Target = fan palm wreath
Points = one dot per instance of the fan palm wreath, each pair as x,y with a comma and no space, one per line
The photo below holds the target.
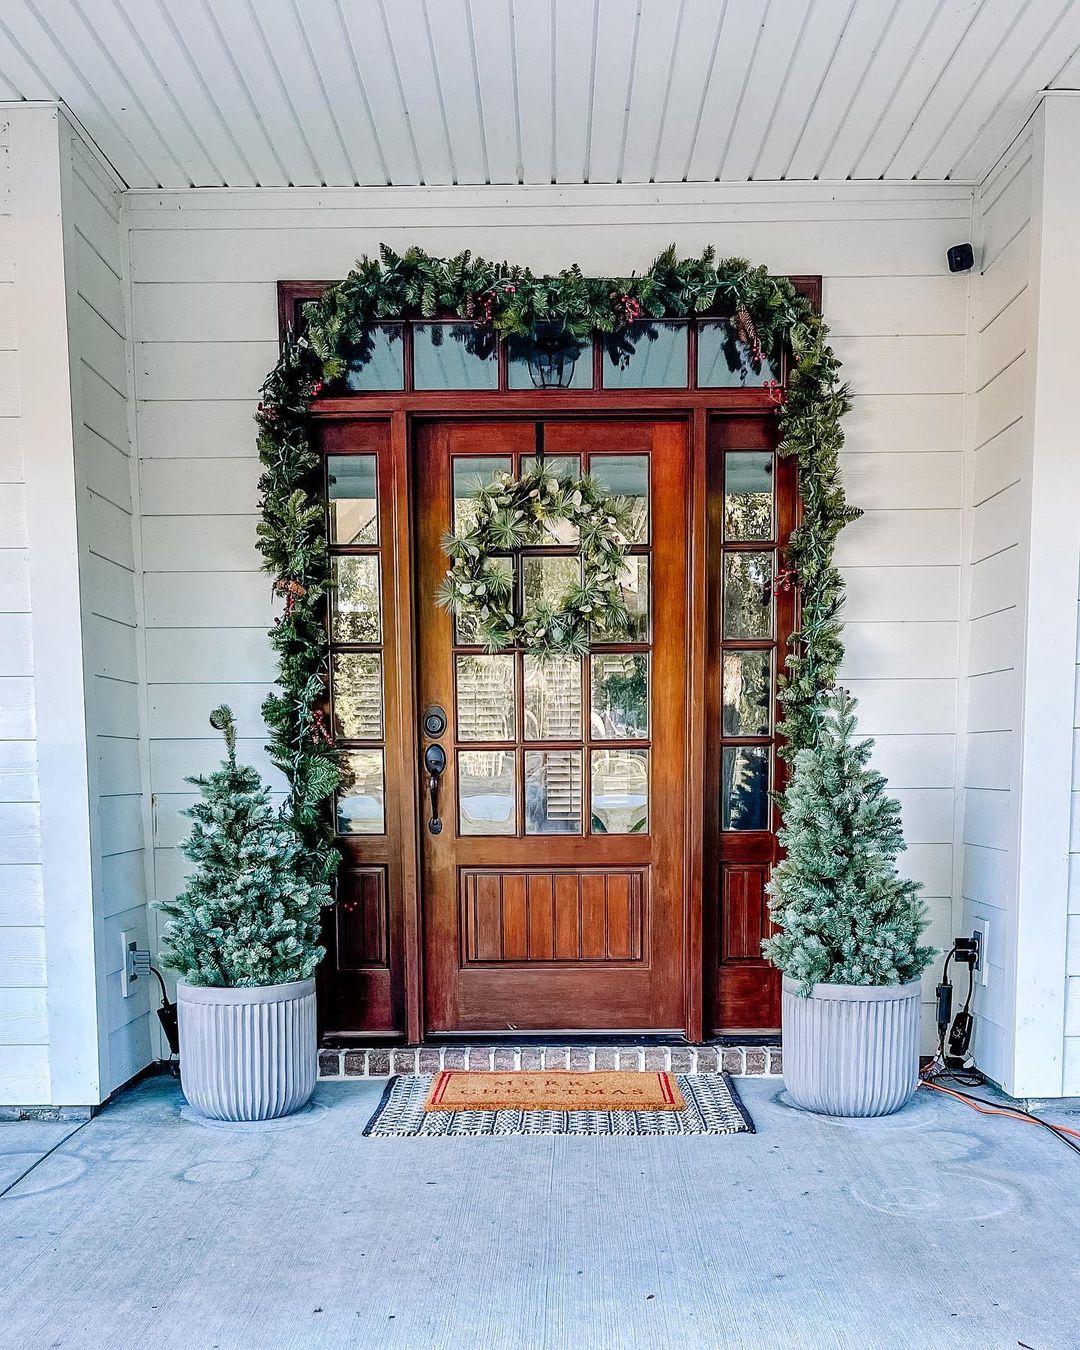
539,508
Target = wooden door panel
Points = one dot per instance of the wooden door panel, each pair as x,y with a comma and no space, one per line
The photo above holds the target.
558,931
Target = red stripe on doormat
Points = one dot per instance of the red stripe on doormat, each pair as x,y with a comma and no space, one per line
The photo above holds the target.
665,1087
441,1084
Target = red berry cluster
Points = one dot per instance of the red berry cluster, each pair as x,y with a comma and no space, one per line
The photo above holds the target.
319,729
630,305
776,392
785,579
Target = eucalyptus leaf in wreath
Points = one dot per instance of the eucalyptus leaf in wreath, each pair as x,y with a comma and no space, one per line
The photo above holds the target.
509,514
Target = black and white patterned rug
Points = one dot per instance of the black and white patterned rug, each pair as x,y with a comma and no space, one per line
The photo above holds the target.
713,1106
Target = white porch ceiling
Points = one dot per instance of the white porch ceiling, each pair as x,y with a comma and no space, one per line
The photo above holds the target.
240,93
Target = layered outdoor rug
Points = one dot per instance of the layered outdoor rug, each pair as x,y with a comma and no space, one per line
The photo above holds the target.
671,1104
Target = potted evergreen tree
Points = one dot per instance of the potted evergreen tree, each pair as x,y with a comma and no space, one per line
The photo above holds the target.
849,930
244,938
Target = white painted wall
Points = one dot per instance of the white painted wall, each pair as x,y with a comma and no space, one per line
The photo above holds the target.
1020,590
71,862
204,267
111,602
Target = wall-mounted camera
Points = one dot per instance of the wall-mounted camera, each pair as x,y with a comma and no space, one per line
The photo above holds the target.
961,258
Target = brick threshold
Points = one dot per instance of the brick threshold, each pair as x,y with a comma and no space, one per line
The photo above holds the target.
381,1061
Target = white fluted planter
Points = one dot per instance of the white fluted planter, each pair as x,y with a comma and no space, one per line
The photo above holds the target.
851,1050
247,1054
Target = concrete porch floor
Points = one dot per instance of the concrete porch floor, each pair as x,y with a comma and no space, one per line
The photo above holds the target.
936,1227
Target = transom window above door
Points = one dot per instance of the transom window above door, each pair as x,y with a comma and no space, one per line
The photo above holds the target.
451,354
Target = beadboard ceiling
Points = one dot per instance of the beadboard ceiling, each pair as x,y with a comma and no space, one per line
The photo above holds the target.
243,93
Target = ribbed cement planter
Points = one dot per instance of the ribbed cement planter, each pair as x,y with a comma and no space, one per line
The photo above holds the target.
247,1054
851,1050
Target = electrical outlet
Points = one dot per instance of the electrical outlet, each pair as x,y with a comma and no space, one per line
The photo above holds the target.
980,929
129,941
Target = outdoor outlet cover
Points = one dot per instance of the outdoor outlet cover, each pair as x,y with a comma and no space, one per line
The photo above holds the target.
129,941
981,929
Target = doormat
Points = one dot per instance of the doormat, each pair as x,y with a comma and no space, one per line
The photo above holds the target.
711,1105
457,1090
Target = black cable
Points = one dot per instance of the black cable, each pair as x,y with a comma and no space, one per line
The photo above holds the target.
1055,1130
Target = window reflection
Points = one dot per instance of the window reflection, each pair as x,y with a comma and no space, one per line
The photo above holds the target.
454,356
744,791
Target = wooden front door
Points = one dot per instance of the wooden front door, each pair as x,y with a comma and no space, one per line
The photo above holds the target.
752,501
553,894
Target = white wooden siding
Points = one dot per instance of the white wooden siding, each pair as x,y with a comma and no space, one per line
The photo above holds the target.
24,1035
997,538
204,273
111,604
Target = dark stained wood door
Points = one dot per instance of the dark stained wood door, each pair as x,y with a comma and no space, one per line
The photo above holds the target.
751,611
553,897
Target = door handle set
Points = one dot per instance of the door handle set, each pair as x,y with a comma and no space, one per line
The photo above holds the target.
434,764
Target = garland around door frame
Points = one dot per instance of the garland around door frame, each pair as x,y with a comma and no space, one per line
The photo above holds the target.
508,299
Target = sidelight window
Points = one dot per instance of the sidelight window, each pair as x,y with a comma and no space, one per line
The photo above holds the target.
356,642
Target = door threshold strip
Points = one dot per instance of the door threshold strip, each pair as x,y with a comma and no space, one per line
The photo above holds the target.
382,1061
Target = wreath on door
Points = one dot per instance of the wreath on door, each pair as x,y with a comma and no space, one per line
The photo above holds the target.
540,508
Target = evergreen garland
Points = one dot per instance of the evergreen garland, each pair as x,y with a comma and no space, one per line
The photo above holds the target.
504,298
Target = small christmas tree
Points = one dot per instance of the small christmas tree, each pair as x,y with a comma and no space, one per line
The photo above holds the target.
845,914
249,916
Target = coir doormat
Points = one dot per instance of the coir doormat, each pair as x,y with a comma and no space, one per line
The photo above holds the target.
709,1105
459,1090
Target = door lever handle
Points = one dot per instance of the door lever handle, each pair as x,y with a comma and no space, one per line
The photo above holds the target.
434,763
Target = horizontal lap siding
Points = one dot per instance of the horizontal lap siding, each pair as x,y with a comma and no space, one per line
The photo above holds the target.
111,602
205,334
999,506
24,1032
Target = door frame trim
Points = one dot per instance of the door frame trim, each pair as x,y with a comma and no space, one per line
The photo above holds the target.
399,411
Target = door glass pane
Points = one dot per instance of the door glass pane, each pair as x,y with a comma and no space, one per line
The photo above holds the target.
354,506
466,626
546,581
454,356
559,466
723,362
646,356
552,791
487,792
747,689
626,476
360,808
620,791
552,699
470,473
620,695
485,698
357,695
354,601
376,361
748,595
744,792
548,358
635,591
748,495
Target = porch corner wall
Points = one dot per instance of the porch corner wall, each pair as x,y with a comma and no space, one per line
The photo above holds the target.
1021,569
204,268
71,793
